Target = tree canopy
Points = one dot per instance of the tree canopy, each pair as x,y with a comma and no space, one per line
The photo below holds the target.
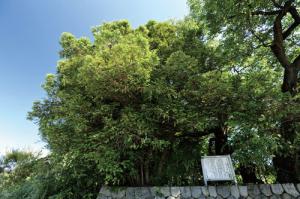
249,25
140,106
267,30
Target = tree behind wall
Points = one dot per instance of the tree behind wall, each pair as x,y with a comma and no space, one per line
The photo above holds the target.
265,29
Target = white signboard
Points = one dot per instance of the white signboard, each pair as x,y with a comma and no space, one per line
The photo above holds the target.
217,168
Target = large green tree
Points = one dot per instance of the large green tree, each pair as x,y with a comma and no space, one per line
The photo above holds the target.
118,104
141,106
263,30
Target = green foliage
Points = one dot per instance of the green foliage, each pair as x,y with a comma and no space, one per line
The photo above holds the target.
118,103
247,28
137,106
19,179
248,33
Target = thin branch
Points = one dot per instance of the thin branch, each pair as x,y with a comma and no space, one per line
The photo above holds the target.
263,43
276,4
266,13
197,134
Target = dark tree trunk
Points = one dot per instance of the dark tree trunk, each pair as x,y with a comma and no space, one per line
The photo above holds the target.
291,67
248,174
142,173
147,173
218,144
285,168
162,162
221,147
285,162
280,34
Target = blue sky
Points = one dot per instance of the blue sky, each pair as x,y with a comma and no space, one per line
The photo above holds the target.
29,36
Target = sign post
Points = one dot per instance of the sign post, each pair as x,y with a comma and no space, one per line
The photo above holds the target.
217,168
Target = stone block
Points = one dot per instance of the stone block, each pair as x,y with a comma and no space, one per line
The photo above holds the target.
243,191
298,187
231,197
275,197
158,191
153,190
261,196
290,189
150,197
265,189
196,191
234,190
165,191
212,191
205,191
286,196
118,193
185,192
105,191
175,191
277,189
130,193
253,190
223,191
143,193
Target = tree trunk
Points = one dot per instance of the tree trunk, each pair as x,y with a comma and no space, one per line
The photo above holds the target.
285,161
248,174
221,145
142,173
285,168
162,162
147,173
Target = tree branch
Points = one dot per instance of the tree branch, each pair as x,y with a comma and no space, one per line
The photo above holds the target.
266,13
290,30
197,134
263,43
294,14
276,4
278,46
296,17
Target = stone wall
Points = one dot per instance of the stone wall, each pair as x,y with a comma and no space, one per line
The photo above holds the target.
284,191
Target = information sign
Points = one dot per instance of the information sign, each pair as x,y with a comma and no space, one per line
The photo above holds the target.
217,168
